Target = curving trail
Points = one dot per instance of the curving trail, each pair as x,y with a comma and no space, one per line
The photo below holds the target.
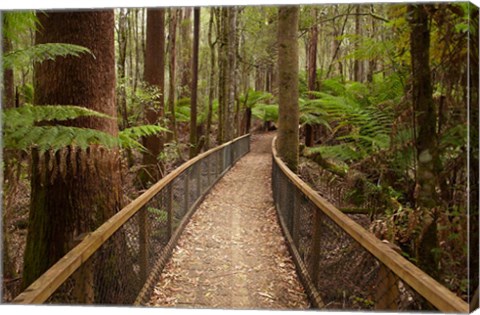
232,253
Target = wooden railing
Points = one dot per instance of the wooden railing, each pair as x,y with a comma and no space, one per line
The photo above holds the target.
342,265
112,264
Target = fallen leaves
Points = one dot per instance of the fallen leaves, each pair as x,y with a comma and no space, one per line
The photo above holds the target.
232,253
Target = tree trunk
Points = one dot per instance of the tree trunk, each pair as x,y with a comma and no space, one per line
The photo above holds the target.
312,73
121,72
288,117
211,88
231,75
474,155
357,64
155,78
222,29
185,65
73,191
426,142
193,111
171,69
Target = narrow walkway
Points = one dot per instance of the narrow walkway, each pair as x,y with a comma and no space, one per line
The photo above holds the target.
232,253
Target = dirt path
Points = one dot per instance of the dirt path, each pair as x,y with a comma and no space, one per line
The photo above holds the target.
232,253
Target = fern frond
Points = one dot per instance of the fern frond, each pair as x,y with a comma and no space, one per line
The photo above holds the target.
129,137
40,53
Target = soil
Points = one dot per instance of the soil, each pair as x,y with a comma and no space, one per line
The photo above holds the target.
232,253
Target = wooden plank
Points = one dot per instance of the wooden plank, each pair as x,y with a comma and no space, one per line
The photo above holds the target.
429,288
40,290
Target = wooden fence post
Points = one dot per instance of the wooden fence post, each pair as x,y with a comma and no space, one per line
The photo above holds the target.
387,294
170,210
186,190
143,243
316,233
83,278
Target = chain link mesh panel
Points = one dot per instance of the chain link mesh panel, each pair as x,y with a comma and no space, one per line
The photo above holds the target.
116,273
345,274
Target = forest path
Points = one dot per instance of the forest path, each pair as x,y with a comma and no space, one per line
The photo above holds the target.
232,253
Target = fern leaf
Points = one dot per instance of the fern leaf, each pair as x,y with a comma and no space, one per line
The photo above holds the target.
40,53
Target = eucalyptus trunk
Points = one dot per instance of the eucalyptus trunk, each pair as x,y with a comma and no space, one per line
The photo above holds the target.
288,117
194,89
426,141
155,79
73,191
171,70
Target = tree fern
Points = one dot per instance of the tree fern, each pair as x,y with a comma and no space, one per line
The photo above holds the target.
266,112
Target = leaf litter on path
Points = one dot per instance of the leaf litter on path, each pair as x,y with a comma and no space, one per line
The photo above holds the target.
232,253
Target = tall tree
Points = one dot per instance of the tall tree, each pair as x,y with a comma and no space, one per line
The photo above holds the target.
185,53
211,83
312,71
73,191
426,142
121,65
194,89
155,78
231,31
172,34
288,116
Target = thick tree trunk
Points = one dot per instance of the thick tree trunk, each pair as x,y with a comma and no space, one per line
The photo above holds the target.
288,117
155,78
193,111
171,68
426,142
73,190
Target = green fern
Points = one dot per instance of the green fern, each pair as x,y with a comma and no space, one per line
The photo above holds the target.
21,129
129,137
266,112
40,53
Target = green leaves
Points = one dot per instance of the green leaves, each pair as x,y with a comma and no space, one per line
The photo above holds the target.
266,112
128,138
21,129
40,53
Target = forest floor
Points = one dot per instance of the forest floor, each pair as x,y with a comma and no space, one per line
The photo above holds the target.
232,253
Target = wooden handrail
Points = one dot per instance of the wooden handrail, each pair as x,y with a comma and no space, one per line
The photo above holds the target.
439,296
40,290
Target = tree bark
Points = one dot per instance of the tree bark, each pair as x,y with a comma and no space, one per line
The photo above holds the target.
121,66
312,73
211,88
193,111
426,142
185,65
231,75
73,191
222,29
288,82
171,69
155,78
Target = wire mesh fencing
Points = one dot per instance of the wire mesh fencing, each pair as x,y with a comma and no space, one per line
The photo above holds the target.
117,271
345,265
